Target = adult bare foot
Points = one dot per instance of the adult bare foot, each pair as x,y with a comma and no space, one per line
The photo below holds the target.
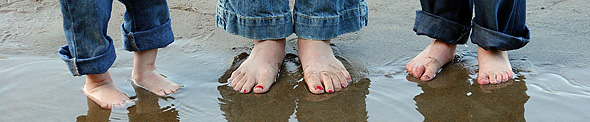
321,70
101,89
144,74
260,68
426,64
494,66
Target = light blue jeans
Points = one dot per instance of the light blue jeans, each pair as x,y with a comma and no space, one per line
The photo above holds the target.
310,19
497,23
91,51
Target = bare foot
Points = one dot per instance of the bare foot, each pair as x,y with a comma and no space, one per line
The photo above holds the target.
145,75
426,64
494,66
260,68
321,70
101,89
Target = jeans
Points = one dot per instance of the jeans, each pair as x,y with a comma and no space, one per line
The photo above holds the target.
497,23
85,22
310,19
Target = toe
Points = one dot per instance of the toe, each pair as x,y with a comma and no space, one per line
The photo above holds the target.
428,75
264,84
336,82
343,81
504,77
314,84
327,81
236,79
483,79
419,71
499,78
248,85
510,74
240,84
346,75
492,78
410,66
168,91
160,93
107,106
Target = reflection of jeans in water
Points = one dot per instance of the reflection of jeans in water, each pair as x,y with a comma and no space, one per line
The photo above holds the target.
85,22
497,23
310,19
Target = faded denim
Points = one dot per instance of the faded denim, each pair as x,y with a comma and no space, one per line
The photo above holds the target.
497,23
310,19
91,51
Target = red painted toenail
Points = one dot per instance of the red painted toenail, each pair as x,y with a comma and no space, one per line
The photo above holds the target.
330,91
244,91
319,88
343,86
259,87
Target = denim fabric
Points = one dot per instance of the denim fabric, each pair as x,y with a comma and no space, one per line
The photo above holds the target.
85,22
497,23
310,19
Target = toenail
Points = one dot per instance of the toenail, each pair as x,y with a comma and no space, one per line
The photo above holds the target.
330,91
259,87
244,91
319,88
343,86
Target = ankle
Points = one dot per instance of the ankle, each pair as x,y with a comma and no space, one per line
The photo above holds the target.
444,44
96,80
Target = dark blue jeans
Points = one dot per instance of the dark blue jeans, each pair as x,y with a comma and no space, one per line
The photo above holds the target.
85,22
273,19
497,23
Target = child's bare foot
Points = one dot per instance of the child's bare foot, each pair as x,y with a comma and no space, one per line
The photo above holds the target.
426,64
321,70
260,68
101,89
494,66
144,74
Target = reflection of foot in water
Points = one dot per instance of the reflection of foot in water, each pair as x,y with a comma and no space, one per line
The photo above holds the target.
145,75
494,66
258,72
503,103
101,89
322,72
95,113
348,105
426,64
446,97
450,97
147,108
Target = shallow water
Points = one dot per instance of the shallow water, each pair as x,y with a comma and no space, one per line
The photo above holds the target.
41,89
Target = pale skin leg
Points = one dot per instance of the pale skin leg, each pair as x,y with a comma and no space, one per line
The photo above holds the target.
494,66
101,89
144,74
426,64
322,72
259,71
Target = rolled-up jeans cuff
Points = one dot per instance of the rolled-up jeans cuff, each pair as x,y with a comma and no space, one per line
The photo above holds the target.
94,65
158,37
324,28
440,28
256,28
487,38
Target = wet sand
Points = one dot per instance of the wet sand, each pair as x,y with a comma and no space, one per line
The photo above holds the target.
552,82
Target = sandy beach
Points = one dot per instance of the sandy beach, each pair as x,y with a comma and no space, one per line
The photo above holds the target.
552,70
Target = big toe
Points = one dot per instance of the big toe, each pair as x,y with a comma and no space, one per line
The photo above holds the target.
160,92
260,89
427,76
483,79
